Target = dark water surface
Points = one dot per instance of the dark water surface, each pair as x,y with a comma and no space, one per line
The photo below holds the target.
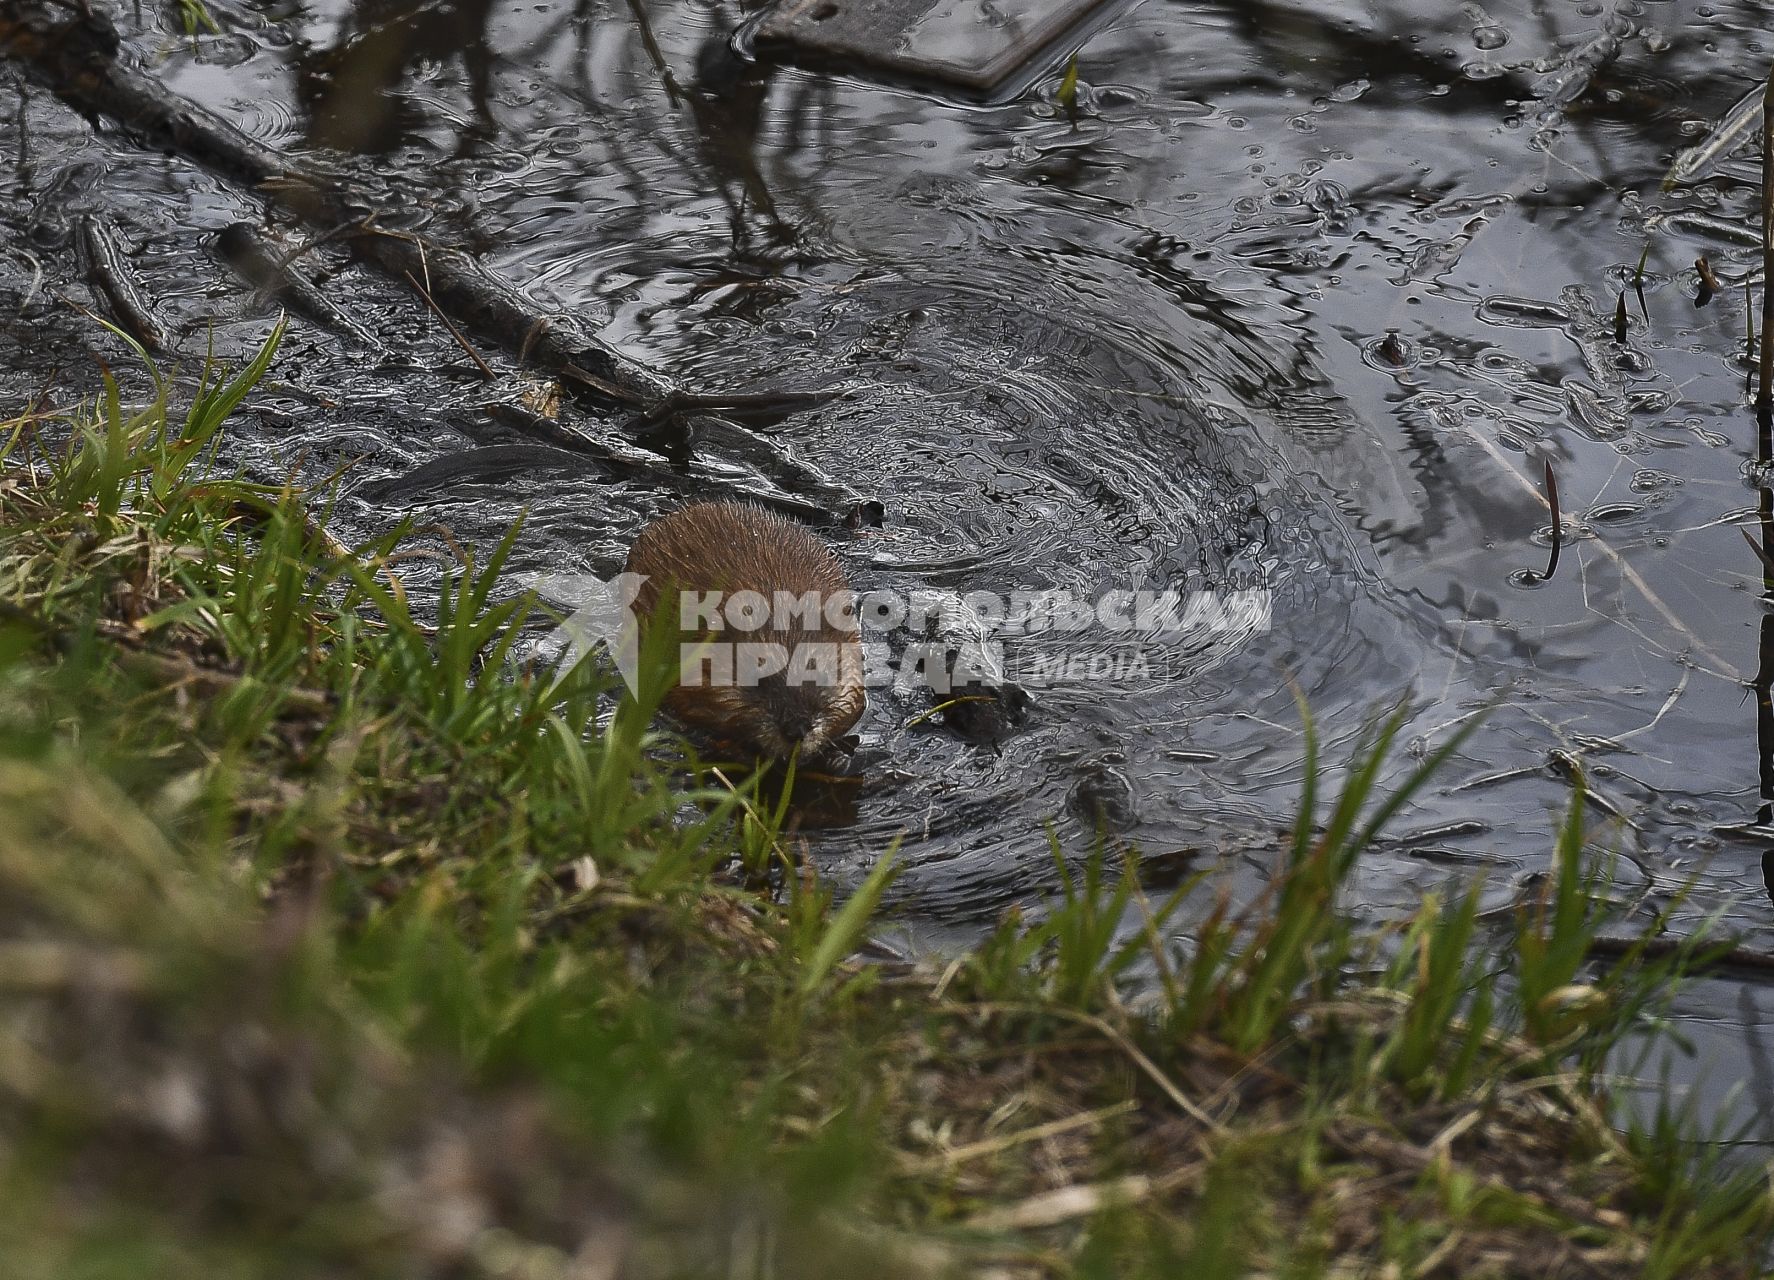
1306,297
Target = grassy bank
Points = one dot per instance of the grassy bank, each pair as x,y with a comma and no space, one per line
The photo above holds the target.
334,945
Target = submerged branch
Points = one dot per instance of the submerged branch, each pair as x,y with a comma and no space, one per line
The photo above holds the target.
78,55
80,58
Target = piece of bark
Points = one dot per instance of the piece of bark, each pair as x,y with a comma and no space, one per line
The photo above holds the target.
112,278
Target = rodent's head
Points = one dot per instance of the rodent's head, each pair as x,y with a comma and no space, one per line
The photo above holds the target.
781,720
719,553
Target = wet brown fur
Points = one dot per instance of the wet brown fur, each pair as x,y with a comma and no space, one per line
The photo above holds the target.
731,547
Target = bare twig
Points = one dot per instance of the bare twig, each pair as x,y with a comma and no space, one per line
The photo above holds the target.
486,370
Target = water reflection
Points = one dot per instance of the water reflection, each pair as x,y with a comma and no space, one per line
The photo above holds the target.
727,101
347,89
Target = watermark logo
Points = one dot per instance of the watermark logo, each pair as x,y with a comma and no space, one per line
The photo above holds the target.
602,617
939,640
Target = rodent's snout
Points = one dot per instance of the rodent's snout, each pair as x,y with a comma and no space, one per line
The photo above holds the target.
789,717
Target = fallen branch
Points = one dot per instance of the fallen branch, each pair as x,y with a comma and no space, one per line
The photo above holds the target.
272,270
648,470
78,55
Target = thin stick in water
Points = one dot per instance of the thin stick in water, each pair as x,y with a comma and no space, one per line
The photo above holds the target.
1765,387
1558,526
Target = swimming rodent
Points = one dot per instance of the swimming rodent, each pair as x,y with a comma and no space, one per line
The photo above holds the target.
782,670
